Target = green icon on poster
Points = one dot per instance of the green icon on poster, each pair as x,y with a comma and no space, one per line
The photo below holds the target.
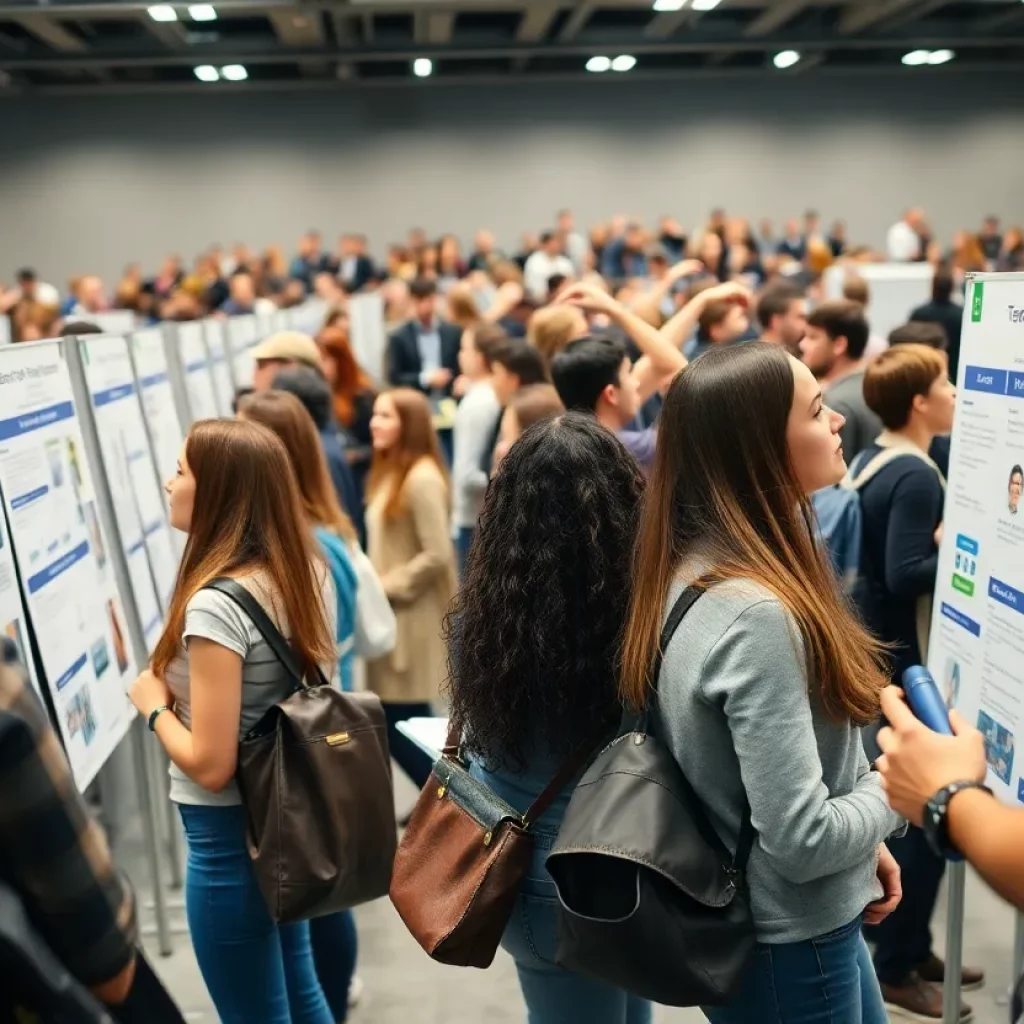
977,301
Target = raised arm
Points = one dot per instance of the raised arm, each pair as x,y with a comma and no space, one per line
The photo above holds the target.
681,327
648,305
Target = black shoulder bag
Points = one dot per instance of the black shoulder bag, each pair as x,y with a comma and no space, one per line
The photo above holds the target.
651,899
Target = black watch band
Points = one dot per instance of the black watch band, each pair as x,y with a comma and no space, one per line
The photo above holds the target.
936,818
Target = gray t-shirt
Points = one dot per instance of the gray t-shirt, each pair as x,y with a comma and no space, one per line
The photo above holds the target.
736,709
214,616
862,426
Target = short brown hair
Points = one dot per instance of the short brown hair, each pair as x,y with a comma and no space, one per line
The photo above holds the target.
486,338
855,289
897,377
920,332
842,318
551,329
535,403
714,313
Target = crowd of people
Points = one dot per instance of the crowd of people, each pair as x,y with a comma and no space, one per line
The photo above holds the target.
558,445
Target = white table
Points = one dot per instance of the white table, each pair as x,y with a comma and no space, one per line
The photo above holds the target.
428,734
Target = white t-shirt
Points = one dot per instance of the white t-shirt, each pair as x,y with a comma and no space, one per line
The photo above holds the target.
540,267
903,244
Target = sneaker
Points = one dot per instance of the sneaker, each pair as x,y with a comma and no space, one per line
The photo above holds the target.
355,991
934,970
917,999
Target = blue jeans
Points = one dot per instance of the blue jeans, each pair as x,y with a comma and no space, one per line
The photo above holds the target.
335,947
826,980
554,995
254,969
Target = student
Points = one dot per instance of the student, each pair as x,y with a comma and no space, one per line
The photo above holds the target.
553,327
720,323
943,310
768,678
782,314
541,265
833,349
334,936
533,639
281,351
212,678
528,406
475,420
408,535
424,352
908,388
856,289
515,364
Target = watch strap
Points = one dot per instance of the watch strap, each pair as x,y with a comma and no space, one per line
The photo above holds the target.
936,818
155,714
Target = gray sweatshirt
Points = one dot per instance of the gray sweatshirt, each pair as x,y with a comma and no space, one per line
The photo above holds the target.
734,706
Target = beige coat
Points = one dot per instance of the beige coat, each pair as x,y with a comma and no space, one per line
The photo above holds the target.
414,557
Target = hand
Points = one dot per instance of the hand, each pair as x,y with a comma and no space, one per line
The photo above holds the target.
685,268
730,291
589,297
148,693
461,385
892,888
916,762
938,536
440,378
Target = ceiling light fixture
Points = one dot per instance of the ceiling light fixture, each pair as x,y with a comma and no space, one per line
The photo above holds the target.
916,57
423,67
786,59
163,12
207,73
234,72
202,12
624,62
669,5
599,64
941,56
705,5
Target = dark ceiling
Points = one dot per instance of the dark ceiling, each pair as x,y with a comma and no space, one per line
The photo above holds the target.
83,46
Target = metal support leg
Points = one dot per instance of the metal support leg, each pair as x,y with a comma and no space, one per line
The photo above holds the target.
957,875
169,835
150,835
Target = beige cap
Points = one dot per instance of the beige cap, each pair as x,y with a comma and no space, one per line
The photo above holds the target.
293,346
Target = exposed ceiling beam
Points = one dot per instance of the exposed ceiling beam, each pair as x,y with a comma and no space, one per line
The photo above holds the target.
906,17
170,33
51,32
579,17
666,24
343,30
808,61
535,23
368,33
774,16
1002,20
434,27
297,27
862,14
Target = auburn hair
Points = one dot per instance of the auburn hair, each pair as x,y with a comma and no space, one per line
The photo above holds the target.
246,516
723,481
897,377
350,379
288,418
417,440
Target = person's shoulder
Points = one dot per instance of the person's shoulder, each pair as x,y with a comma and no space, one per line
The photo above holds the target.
424,476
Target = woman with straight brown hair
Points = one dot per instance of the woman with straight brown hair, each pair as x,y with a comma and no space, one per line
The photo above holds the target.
212,678
410,546
768,677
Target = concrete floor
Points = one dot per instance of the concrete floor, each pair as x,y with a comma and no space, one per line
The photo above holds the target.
403,986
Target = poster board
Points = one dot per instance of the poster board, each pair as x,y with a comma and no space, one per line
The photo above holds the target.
62,550
185,344
135,492
976,651
895,290
241,337
220,367
5,329
369,337
114,321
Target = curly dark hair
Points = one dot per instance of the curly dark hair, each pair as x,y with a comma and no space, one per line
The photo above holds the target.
533,635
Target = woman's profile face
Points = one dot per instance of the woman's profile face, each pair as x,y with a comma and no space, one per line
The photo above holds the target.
812,434
386,424
181,492
1016,484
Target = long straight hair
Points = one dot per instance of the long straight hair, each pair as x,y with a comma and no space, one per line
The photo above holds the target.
723,478
247,515
350,379
417,440
288,418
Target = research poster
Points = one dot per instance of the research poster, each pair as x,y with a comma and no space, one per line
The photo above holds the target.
242,336
134,488
195,362
12,611
223,385
158,408
62,551
976,651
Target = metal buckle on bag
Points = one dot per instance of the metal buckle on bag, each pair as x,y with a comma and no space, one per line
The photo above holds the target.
338,739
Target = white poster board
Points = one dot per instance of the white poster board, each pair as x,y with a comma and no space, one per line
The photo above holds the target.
12,610
242,336
134,489
62,550
114,321
895,290
195,361
223,385
5,329
976,650
165,432
369,338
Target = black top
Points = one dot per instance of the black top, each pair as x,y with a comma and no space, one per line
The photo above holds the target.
901,507
951,316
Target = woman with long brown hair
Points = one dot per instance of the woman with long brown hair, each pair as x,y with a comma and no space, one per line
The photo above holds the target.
212,678
410,546
768,677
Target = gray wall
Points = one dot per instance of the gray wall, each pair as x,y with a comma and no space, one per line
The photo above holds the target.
90,184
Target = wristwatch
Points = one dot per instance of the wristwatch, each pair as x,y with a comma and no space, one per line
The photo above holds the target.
936,819
155,714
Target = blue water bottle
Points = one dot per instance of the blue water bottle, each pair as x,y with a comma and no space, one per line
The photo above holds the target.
925,700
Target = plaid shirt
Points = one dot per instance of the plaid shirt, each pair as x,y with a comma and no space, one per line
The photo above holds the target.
51,851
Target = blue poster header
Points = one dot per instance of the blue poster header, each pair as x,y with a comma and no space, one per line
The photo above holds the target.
30,421
199,364
984,378
54,569
152,380
1005,594
968,544
68,674
26,499
108,395
964,621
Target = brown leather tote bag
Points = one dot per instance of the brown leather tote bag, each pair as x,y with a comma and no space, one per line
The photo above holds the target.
315,779
460,862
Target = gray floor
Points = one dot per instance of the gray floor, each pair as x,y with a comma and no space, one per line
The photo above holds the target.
402,985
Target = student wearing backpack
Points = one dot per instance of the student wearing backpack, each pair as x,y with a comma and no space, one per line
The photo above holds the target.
768,678
901,498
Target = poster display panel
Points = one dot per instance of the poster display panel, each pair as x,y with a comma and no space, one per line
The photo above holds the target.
161,415
976,650
242,336
223,385
134,489
369,336
195,361
62,550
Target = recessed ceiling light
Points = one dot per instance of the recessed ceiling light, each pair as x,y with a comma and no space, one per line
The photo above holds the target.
669,5
916,57
202,12
235,72
207,73
423,67
163,12
624,62
941,56
705,5
599,64
786,59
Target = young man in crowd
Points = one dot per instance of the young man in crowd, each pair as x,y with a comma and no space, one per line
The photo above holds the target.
241,294
857,289
424,352
514,365
545,263
782,314
282,351
833,349
624,256
721,322
943,310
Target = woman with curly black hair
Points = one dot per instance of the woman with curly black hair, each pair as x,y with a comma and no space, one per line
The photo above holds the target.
533,652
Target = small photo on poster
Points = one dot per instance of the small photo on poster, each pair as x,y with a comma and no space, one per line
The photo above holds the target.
951,682
1014,488
55,458
120,650
92,524
13,631
999,746
81,718
100,655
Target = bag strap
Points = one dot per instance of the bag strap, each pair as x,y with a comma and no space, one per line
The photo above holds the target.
685,601
278,644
